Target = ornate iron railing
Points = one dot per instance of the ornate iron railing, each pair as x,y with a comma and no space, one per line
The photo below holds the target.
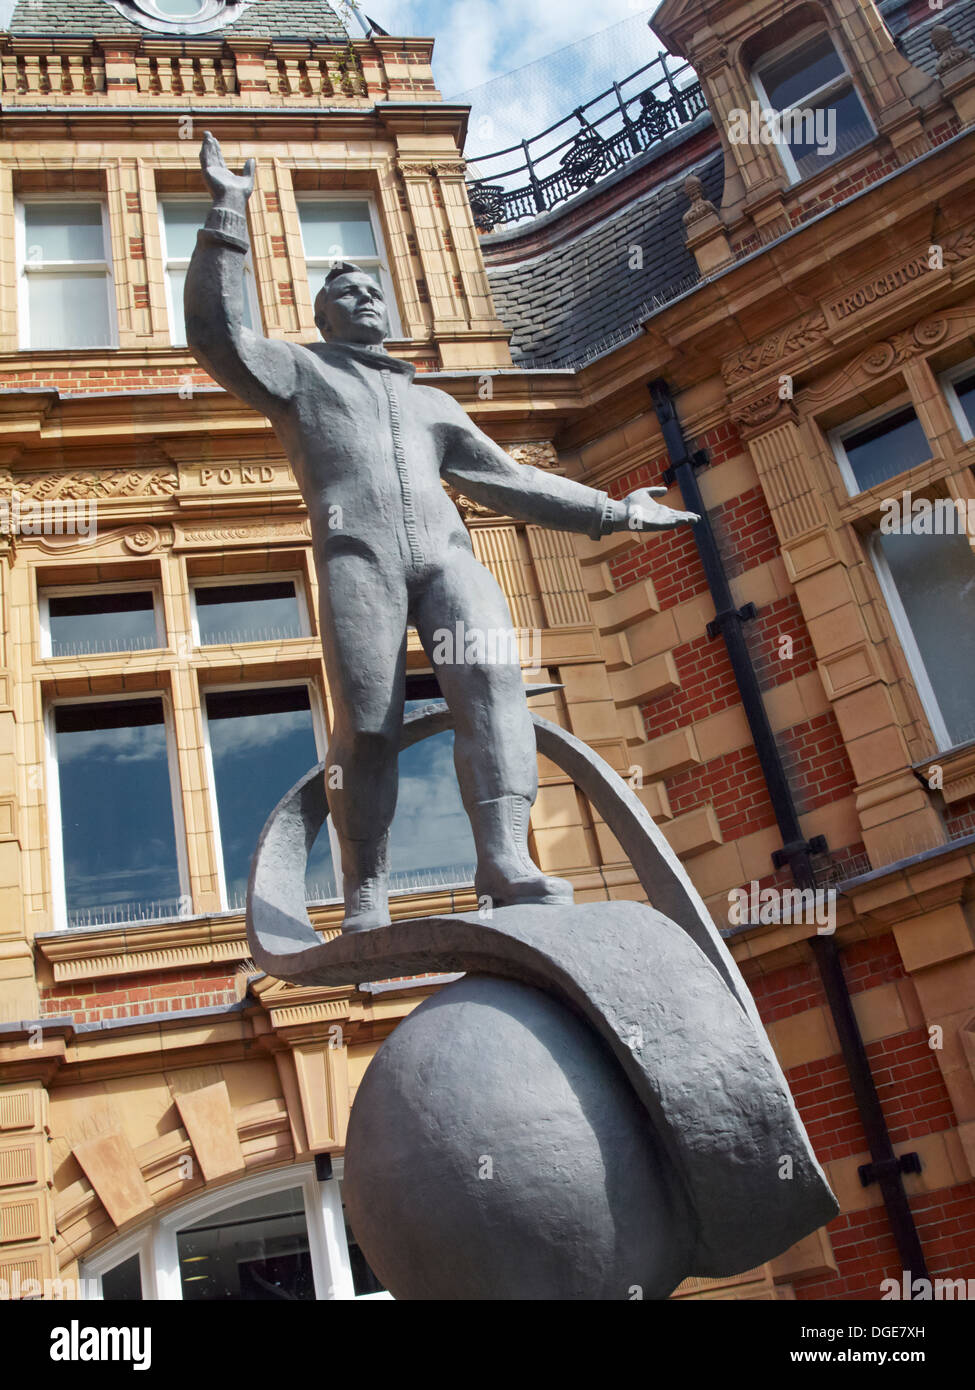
580,149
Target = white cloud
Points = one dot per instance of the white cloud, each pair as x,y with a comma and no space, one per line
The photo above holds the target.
482,39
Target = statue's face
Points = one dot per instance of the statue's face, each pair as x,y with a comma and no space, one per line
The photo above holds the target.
354,311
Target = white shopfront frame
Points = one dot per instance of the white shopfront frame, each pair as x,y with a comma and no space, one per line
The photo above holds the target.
158,1249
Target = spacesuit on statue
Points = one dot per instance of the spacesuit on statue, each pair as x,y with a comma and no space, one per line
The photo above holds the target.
370,449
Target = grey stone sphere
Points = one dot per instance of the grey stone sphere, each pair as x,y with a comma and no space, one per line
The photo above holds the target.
496,1151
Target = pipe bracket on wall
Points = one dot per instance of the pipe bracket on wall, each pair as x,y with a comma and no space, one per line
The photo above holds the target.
888,1168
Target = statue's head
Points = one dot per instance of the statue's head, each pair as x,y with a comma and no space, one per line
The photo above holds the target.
350,308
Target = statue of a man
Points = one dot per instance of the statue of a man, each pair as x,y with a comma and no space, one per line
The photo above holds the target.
370,450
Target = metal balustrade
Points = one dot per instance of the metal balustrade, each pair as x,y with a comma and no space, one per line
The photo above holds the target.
597,138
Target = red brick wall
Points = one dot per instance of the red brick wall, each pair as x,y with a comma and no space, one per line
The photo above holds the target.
130,996
78,379
915,1103
960,817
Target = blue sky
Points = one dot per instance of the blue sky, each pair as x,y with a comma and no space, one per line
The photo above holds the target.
481,39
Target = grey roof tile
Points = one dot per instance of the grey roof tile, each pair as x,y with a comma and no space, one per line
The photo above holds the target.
563,303
311,19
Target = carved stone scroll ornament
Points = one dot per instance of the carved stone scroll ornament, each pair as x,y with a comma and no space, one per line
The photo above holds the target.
893,351
104,484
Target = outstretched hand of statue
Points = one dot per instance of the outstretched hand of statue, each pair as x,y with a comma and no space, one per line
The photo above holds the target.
645,513
229,190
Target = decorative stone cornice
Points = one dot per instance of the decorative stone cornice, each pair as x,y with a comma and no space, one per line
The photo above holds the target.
762,412
776,348
468,508
539,453
817,327
957,773
893,351
104,484
882,356
427,169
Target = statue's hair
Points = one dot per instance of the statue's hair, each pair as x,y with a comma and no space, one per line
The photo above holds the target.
339,268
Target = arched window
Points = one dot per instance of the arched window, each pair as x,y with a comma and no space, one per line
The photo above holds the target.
275,1236
807,93
181,16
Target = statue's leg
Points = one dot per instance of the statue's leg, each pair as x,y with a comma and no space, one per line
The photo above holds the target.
363,620
494,742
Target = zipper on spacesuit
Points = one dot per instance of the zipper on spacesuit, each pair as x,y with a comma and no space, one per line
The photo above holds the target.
405,486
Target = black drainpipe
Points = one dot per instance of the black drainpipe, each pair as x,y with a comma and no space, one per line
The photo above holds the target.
885,1168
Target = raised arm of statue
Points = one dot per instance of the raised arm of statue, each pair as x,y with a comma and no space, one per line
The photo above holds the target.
481,469
257,369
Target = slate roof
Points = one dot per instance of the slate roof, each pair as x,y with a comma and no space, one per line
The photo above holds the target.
564,304
272,19
915,43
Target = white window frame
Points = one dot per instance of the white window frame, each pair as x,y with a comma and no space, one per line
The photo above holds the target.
321,745
129,586
809,100
858,422
55,824
912,653
378,262
182,263
217,581
25,268
158,1250
947,381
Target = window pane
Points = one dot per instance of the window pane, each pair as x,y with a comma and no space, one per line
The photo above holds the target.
262,742
886,448
64,232
430,841
837,127
117,822
247,612
340,231
183,221
124,1282
68,310
252,1251
179,9
85,623
797,74
935,580
965,391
